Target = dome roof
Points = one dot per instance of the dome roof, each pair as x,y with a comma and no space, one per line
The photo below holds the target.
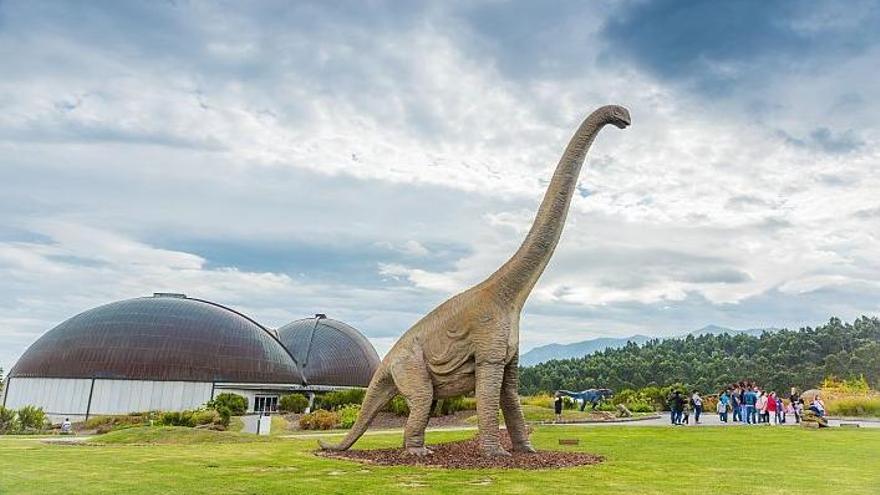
329,352
164,337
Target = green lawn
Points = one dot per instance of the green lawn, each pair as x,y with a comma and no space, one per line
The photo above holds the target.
640,460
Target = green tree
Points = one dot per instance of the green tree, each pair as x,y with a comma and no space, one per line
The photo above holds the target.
709,363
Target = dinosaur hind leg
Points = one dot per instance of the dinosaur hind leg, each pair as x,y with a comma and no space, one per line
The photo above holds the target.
415,385
510,406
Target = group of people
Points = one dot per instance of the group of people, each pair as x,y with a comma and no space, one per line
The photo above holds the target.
745,403
680,407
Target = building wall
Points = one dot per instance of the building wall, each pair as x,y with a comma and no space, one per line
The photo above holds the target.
125,396
57,396
69,397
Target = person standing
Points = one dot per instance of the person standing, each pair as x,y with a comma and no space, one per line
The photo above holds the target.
676,407
557,406
749,401
723,402
735,403
795,400
780,410
697,402
761,406
770,407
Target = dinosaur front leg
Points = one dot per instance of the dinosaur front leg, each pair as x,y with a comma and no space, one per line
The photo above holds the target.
489,377
513,415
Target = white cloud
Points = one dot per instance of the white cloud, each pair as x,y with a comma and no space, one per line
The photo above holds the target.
411,138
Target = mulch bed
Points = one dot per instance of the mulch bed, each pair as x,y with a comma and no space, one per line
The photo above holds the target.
466,455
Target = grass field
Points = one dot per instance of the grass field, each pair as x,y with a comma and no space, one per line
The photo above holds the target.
641,460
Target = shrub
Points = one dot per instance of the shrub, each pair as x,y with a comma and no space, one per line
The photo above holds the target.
338,398
640,407
199,417
452,405
348,415
710,404
107,423
206,417
855,406
7,420
293,403
398,406
31,418
546,401
225,415
237,404
319,420
832,385
175,418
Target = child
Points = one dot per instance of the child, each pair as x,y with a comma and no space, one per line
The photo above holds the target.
722,408
687,413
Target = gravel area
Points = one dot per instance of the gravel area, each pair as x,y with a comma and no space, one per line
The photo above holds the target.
466,455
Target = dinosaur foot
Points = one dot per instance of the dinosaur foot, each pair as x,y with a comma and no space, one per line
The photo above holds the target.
495,452
419,451
525,448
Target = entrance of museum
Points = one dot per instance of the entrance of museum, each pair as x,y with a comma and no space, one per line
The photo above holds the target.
266,403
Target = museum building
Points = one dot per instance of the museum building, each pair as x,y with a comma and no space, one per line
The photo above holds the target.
171,352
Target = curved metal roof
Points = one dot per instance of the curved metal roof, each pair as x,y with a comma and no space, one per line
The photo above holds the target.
164,337
329,352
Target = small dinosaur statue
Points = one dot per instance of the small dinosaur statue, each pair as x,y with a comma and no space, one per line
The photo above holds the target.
591,396
470,343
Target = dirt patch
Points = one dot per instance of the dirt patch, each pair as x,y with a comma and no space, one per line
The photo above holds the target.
466,455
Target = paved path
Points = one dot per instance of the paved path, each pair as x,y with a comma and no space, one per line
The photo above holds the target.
713,420
250,423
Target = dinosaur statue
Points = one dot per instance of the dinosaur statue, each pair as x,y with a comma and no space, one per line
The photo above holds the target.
470,343
591,396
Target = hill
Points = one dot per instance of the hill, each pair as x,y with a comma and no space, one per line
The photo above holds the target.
710,361
563,351
547,352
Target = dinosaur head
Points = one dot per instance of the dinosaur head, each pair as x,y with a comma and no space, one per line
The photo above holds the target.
615,115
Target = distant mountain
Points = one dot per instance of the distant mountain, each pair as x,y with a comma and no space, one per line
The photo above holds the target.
716,330
578,349
547,352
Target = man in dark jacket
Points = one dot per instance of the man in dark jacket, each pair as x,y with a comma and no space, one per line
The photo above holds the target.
735,404
676,407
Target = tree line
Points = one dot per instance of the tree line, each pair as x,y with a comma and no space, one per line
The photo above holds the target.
775,360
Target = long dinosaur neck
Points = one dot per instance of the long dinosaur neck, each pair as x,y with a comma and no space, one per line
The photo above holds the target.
518,276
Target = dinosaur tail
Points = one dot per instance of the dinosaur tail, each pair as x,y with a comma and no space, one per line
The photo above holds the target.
380,393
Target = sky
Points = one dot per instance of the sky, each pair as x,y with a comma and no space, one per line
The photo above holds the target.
369,159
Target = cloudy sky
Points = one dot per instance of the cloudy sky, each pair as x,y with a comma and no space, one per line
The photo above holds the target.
369,159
